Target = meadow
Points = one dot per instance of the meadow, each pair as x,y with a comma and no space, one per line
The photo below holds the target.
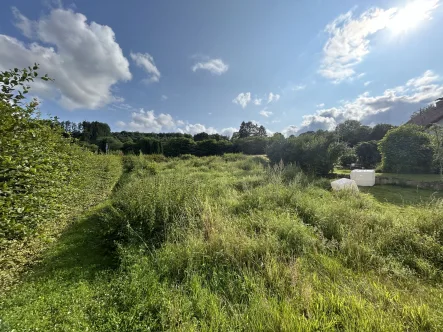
231,243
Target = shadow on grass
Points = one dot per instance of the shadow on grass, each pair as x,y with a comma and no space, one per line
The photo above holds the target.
80,253
402,196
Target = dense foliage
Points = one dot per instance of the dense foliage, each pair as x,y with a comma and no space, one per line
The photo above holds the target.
379,131
41,171
406,149
254,145
368,154
248,129
348,158
352,132
314,152
436,132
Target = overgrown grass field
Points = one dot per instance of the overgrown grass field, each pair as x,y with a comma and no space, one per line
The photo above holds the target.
232,244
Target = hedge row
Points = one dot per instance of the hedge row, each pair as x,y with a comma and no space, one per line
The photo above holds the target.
42,173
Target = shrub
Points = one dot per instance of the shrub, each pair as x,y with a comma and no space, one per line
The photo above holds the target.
211,147
251,145
35,164
315,153
406,149
41,170
113,144
149,145
368,154
348,158
178,146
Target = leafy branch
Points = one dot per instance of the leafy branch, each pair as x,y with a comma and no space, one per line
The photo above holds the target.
14,83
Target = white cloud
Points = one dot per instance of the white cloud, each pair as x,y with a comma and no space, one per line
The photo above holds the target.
164,97
215,66
349,37
273,97
198,128
257,101
298,87
393,106
26,26
412,14
243,99
427,78
265,113
148,121
120,106
290,130
367,83
146,62
83,58
348,41
228,131
320,105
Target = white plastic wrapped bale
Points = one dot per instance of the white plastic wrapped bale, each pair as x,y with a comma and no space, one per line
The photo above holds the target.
344,183
363,177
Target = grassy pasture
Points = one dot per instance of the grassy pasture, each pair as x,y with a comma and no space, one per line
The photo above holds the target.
231,244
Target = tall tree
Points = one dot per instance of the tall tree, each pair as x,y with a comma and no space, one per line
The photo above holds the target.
201,137
379,131
249,128
353,132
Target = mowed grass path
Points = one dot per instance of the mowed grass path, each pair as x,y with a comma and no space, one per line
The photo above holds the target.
230,244
62,286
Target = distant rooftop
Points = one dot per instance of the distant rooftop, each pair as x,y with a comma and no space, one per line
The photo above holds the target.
429,115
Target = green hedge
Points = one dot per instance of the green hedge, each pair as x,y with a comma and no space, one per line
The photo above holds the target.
42,173
406,149
368,154
315,153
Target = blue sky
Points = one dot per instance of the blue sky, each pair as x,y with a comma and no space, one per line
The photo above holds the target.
192,66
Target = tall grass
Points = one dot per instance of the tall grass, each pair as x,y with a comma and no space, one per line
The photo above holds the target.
230,243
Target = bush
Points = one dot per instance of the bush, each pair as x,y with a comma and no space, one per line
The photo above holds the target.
35,164
41,170
148,145
178,146
251,145
113,144
211,147
368,154
315,153
348,158
406,149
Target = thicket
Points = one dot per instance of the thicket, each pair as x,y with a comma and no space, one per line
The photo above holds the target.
42,173
368,154
407,149
315,153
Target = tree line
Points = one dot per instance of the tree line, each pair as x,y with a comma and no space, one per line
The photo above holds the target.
406,149
97,137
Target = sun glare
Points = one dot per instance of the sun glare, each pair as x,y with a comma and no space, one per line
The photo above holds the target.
410,16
